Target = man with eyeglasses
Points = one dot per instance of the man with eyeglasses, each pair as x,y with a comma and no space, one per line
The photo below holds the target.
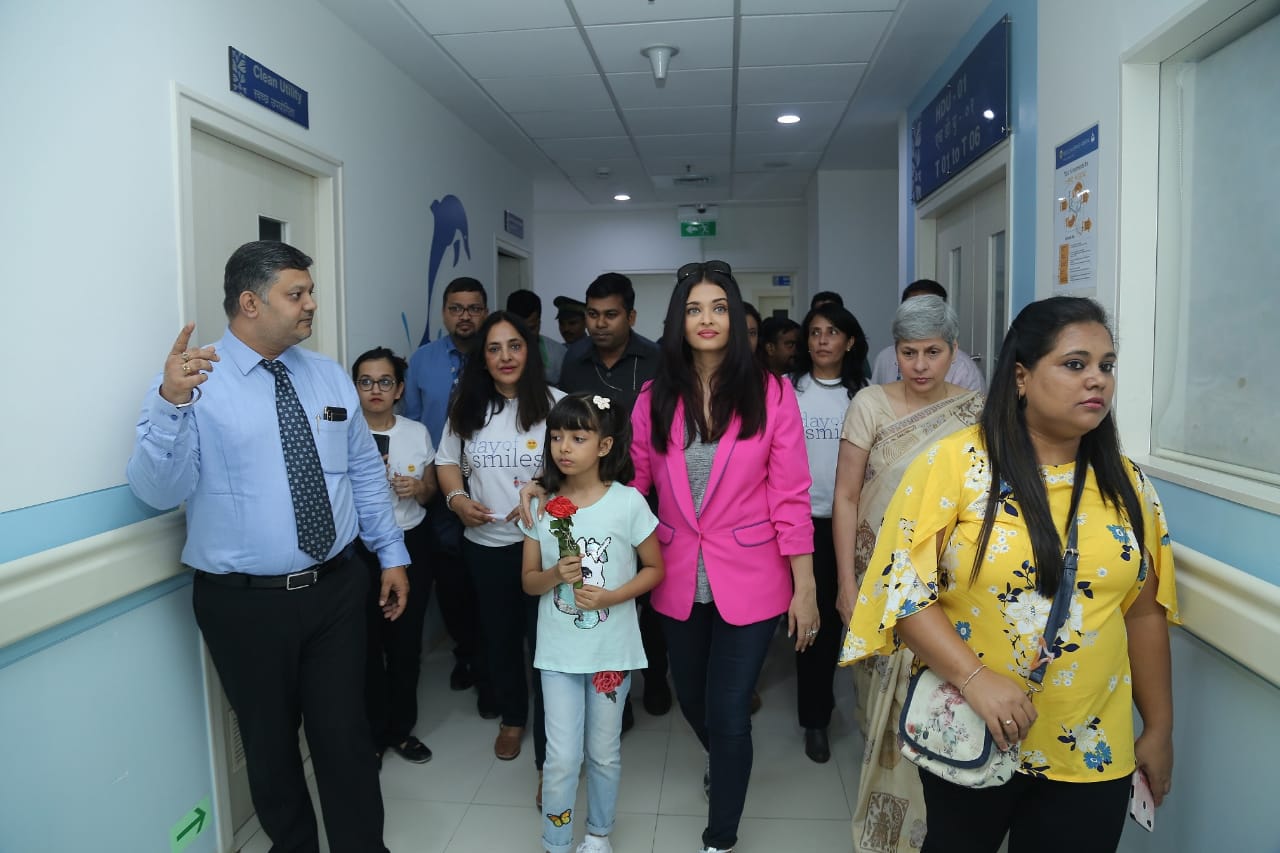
433,372
617,364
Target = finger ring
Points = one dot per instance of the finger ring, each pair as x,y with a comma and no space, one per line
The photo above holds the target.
812,633
186,369
1008,722
186,356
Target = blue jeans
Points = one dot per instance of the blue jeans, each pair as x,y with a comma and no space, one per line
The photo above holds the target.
715,666
574,713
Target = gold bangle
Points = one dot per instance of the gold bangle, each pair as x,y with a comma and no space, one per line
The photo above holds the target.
972,676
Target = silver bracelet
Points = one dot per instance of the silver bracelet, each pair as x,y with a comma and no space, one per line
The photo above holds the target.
971,677
448,499
195,395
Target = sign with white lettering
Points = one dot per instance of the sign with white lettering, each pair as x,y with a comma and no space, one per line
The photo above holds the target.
698,229
263,86
512,224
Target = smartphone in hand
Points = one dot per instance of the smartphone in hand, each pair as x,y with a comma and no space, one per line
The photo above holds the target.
1142,806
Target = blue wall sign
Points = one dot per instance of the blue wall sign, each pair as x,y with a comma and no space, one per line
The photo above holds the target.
965,119
513,224
782,281
260,84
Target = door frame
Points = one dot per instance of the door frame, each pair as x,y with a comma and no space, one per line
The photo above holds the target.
193,111
988,171
503,246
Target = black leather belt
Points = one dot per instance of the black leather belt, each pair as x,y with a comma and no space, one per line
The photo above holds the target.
296,580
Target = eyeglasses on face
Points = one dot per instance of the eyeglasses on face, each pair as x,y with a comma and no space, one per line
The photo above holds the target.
455,309
386,383
701,268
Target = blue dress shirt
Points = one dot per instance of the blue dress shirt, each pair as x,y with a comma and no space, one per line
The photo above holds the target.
433,371
222,455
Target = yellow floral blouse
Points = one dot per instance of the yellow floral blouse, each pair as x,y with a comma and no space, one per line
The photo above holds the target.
1084,729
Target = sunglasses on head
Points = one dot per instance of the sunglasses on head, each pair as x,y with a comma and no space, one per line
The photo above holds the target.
701,268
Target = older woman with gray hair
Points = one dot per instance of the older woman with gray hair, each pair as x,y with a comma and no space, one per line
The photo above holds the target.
885,428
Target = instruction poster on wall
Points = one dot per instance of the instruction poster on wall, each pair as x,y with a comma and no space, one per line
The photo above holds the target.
1075,220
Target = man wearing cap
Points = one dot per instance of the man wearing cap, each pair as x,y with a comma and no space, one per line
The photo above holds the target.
279,473
572,317
527,305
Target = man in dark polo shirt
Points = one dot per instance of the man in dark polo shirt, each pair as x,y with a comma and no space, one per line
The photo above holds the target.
617,363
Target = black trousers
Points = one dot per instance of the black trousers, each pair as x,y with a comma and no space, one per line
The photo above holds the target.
815,667
394,658
290,657
455,594
654,640
1039,815
508,621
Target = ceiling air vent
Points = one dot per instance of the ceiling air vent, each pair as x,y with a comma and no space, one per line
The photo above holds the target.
691,181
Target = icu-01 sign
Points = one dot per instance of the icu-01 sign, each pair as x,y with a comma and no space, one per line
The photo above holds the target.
263,86
965,119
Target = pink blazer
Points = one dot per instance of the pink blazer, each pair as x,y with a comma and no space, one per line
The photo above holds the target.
755,511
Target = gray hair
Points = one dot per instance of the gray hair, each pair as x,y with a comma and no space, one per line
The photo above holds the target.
254,267
924,317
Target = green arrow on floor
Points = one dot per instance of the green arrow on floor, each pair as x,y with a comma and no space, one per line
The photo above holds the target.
189,827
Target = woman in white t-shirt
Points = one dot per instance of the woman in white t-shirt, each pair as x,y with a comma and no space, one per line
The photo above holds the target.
828,374
494,437
395,648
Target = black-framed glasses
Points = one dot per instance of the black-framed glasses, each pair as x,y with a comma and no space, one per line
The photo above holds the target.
474,310
701,268
386,383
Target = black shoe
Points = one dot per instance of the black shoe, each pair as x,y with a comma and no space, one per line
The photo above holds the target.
657,696
816,745
461,677
413,750
487,705
628,717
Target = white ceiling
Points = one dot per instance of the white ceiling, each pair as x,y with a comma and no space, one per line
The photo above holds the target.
560,86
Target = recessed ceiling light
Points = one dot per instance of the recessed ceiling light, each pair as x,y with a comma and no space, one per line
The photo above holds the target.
622,197
789,118
988,114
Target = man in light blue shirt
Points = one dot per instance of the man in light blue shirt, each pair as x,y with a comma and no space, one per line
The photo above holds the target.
285,628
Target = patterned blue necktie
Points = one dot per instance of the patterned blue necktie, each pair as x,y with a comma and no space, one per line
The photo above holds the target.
306,479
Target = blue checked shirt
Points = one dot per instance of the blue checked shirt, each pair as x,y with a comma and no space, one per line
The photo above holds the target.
433,371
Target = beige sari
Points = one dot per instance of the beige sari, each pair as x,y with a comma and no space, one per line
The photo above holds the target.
889,813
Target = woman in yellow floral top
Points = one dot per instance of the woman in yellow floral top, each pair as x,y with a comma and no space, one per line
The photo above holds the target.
1049,409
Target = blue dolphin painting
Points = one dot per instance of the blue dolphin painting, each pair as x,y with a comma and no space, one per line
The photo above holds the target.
450,230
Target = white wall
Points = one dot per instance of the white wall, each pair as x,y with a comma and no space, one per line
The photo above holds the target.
857,246
571,249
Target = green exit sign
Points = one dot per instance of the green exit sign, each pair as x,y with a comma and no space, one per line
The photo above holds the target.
698,229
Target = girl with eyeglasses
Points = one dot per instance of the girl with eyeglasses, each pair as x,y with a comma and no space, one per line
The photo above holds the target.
395,648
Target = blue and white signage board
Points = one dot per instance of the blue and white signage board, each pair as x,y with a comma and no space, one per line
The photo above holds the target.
782,281
965,119
263,86
1075,214
512,224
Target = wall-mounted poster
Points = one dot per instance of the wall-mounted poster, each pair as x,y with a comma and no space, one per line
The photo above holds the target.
1075,213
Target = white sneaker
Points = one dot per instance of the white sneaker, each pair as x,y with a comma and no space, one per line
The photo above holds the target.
595,844
717,850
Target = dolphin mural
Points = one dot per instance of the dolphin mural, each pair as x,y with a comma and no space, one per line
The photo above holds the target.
450,231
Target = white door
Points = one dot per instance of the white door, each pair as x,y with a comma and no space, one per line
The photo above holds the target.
971,265
239,196
513,275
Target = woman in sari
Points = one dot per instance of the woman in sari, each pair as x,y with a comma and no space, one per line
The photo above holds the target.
884,430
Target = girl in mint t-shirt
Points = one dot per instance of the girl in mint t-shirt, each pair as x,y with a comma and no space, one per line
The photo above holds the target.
588,632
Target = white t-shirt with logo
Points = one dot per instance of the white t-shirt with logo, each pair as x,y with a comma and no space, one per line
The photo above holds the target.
607,533
409,453
502,458
822,409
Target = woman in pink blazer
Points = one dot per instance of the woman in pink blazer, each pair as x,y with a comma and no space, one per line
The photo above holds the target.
720,442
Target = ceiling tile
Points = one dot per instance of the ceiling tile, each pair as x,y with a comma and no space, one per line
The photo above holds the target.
650,122
701,165
794,138
602,148
811,39
626,168
823,115
523,53
599,193
570,124
712,87
764,186
484,16
630,11
776,83
683,145
800,7
538,94
789,161
702,44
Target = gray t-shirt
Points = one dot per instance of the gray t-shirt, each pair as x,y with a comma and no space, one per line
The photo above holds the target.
698,457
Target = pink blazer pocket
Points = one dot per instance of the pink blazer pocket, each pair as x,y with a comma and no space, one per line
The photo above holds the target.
666,533
753,535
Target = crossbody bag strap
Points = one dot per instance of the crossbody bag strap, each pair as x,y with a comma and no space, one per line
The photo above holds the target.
1066,583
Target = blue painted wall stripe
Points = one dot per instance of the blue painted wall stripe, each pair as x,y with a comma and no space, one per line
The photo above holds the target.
33,529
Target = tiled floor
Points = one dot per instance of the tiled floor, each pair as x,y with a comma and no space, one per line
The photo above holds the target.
466,801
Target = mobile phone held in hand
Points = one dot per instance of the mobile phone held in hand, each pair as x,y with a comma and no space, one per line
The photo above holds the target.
1142,806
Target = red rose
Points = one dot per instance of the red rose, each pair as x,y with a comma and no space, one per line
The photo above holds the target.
561,507
608,682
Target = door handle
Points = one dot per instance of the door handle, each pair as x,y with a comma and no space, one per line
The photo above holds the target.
975,356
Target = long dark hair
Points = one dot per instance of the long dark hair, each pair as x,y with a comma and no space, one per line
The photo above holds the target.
852,376
1011,458
582,412
477,396
739,383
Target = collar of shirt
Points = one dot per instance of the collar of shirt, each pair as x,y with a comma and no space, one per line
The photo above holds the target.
637,347
246,359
